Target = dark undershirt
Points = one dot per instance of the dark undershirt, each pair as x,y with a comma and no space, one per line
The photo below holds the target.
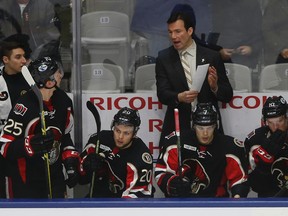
16,85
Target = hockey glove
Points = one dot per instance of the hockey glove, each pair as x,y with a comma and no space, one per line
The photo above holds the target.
275,142
38,144
72,169
262,160
93,163
178,186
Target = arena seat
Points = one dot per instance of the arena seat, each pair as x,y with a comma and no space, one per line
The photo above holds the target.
102,78
239,77
274,78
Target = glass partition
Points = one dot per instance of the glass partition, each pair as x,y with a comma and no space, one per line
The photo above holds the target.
119,36
111,46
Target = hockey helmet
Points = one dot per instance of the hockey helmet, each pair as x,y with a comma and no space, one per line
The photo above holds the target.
42,70
127,116
274,107
204,114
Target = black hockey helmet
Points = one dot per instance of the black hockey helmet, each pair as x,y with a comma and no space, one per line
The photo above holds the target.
204,114
42,70
274,107
127,116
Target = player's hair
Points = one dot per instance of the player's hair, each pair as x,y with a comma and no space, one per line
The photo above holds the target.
6,48
13,42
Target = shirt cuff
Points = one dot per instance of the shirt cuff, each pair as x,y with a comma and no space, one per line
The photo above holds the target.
215,92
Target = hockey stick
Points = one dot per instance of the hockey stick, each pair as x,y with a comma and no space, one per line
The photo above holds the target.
282,191
29,79
177,130
96,115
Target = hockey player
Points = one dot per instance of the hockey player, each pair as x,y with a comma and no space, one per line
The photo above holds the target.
210,163
123,165
267,150
24,144
12,85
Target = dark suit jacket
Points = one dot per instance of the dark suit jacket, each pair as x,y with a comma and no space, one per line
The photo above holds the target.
171,80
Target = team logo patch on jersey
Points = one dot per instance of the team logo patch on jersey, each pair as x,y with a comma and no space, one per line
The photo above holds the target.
3,95
51,114
20,109
146,157
54,152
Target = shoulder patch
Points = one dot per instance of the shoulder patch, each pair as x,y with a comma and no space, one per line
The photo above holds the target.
146,157
239,143
20,109
251,134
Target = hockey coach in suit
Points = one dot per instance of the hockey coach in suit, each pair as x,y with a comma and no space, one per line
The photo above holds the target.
172,86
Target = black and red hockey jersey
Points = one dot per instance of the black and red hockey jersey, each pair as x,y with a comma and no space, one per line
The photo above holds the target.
26,175
127,172
11,88
266,172
208,167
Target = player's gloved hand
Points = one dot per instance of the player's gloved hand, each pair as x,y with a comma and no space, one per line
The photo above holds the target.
275,142
38,144
178,186
72,169
93,162
262,160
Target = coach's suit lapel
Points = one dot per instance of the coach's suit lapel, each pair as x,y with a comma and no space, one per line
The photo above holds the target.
201,56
